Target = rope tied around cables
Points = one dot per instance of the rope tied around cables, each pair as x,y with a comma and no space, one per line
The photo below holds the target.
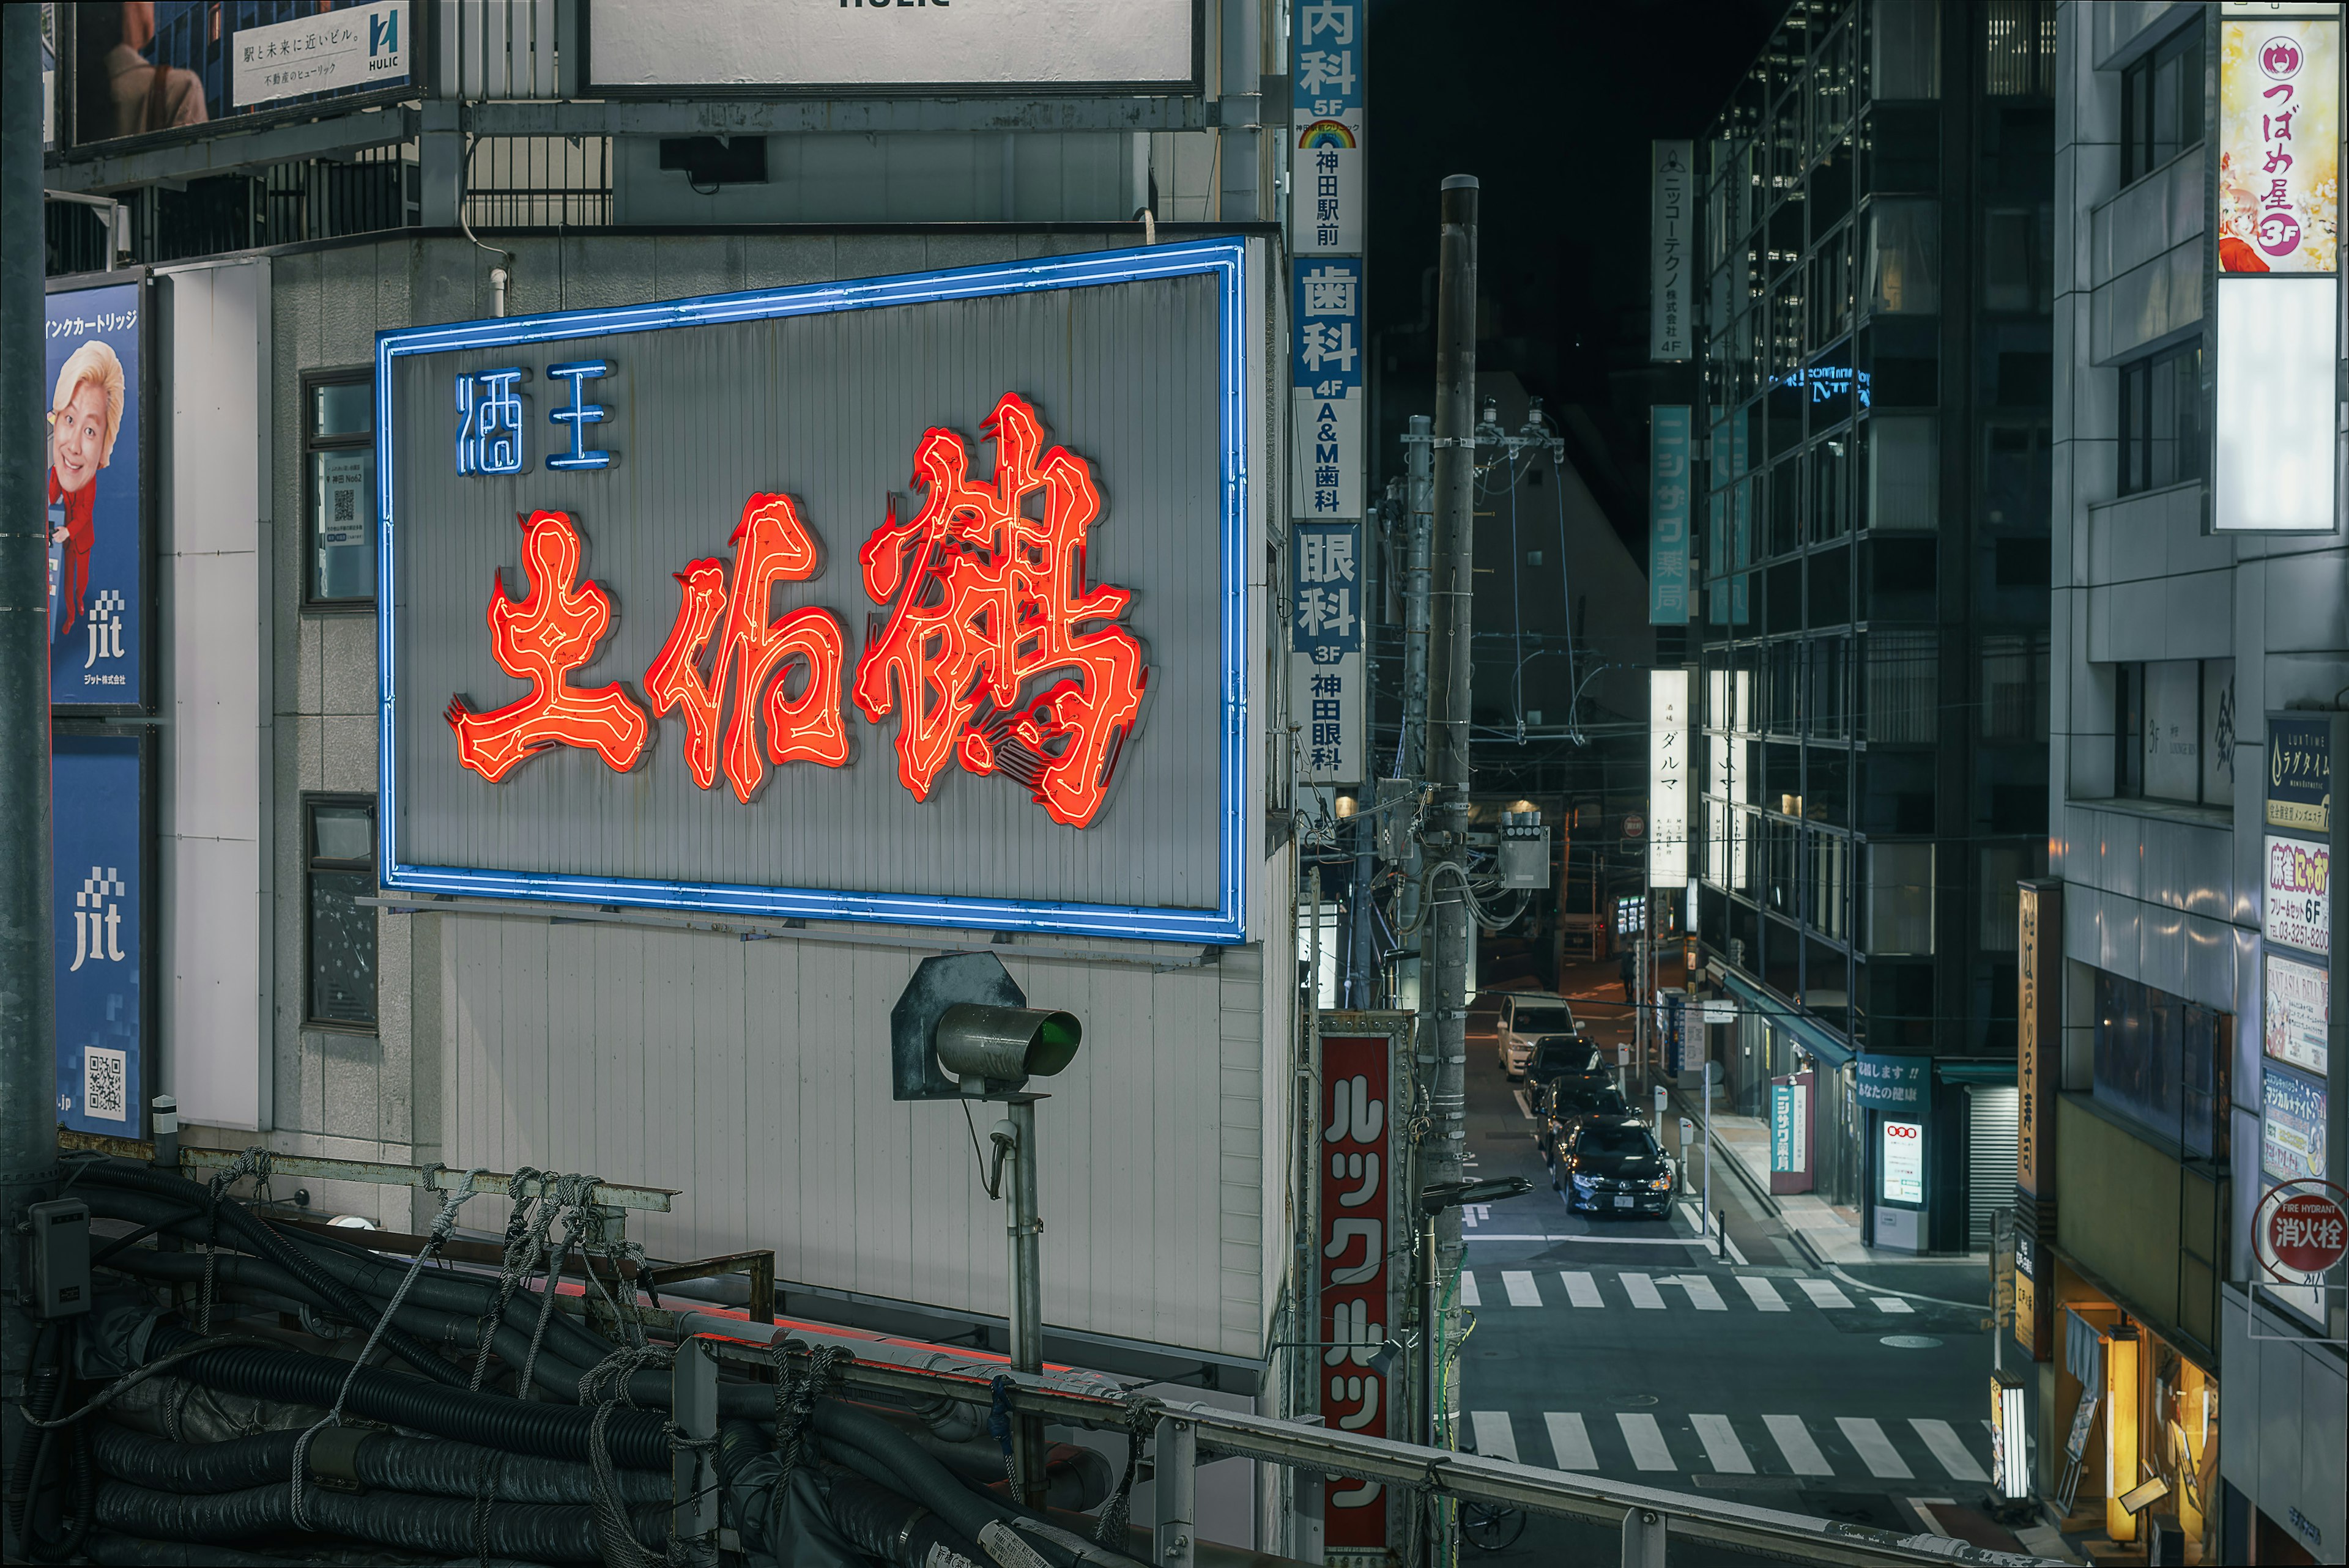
606,1385
540,1199
795,1399
1141,1417
254,1163
443,1224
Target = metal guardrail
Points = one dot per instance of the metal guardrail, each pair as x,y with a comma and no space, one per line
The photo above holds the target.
1189,1434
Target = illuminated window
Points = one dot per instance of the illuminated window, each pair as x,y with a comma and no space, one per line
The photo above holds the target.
338,461
338,850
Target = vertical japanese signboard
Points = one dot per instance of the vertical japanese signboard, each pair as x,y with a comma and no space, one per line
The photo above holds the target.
2038,1039
1790,1133
1672,235
98,911
1667,778
1326,389
1359,1202
96,522
1325,171
2276,187
2296,960
1668,515
1326,675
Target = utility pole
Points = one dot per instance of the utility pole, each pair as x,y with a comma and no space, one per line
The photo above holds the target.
1443,966
29,1128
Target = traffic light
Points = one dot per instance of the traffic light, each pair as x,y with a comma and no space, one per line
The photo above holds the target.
962,1027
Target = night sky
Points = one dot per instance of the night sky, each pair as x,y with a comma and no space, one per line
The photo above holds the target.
1552,107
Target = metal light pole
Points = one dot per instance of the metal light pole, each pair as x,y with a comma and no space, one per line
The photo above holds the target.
1443,968
29,1128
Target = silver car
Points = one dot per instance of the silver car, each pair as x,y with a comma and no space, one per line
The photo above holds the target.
1526,1017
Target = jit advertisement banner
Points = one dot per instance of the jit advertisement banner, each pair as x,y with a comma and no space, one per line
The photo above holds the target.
667,624
1361,1260
99,910
1327,204
2279,145
97,523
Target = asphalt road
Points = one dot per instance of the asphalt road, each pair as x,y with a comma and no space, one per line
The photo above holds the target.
1627,1350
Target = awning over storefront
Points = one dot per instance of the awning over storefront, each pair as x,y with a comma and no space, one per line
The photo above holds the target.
1805,1031
1995,1072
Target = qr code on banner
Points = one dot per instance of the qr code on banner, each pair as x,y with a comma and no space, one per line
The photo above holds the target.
346,504
105,1083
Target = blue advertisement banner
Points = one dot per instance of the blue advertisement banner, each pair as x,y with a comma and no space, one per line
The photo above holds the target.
2291,1126
96,518
1668,515
98,867
1325,590
1894,1083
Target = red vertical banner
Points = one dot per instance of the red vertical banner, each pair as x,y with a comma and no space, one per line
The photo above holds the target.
1361,1270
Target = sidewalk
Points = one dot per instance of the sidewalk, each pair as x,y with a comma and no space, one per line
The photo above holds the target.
1827,1234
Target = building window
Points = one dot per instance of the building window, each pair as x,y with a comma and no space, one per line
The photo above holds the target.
1904,257
2002,867
339,848
1904,472
2014,685
2161,104
1905,50
338,459
2174,731
2019,261
1902,668
2018,47
2161,420
2159,1061
1900,899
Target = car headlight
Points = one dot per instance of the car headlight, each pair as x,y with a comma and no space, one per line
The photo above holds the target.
1585,1180
1660,1184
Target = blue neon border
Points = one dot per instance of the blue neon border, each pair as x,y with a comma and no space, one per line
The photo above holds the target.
1228,923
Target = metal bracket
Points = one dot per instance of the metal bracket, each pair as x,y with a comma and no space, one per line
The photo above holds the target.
1176,1484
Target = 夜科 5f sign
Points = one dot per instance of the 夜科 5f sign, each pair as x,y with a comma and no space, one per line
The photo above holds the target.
915,599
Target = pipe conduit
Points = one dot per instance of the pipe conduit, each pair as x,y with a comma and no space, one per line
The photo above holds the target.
383,1461
539,1533
498,1420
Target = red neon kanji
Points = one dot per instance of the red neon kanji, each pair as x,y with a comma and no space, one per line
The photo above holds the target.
771,546
991,599
552,633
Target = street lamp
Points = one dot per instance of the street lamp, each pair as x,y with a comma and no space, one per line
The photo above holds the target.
962,1029
1433,1200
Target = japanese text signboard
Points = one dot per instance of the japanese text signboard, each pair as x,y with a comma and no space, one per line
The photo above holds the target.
2300,1231
2038,1036
2299,774
1667,778
1669,475
2298,907
198,66
1671,222
1328,47
1790,1133
2279,145
1325,376
1326,676
1882,1082
1360,1275
670,624
2291,1125
364,46
98,909
95,530
2297,1013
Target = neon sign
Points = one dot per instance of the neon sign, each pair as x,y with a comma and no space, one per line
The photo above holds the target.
988,600
578,414
489,428
543,639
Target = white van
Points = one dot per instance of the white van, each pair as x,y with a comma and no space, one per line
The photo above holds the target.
1526,1017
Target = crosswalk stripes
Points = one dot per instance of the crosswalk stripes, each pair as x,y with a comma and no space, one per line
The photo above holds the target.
1942,1440
1582,1291
1763,1294
1701,1293
1874,1449
1647,1442
1496,1438
1520,1284
1890,1304
1822,1293
1569,1440
1802,1456
1722,1449
1468,1296
1642,1291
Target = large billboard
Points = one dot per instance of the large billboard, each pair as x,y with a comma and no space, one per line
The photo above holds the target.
97,523
139,69
668,623
878,46
98,908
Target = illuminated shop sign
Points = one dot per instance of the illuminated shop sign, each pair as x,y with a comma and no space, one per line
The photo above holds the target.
562,614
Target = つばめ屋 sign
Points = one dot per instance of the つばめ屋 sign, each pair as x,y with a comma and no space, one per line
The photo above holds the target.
918,599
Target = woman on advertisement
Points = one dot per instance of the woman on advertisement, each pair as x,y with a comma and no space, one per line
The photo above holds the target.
85,415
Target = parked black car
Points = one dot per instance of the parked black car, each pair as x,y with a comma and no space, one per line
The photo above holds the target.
1613,1166
1564,1056
1563,1106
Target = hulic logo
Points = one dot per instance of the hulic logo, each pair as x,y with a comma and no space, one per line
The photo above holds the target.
98,918
383,35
